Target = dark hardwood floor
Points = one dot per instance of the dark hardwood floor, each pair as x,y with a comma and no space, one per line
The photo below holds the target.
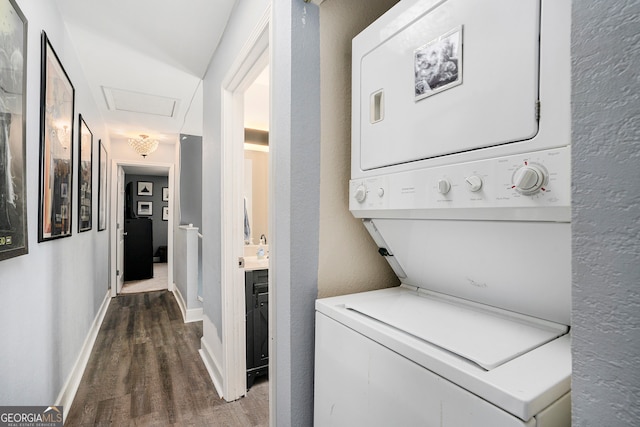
145,370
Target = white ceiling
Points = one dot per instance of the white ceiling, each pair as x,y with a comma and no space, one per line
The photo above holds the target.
140,54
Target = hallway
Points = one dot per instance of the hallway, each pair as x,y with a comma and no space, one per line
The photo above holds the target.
145,369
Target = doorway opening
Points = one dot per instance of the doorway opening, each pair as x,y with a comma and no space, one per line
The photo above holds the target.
244,255
146,220
256,231
142,209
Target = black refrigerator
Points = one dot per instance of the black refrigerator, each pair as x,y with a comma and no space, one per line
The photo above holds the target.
138,249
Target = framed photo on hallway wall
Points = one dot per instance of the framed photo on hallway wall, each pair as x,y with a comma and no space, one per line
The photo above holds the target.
102,187
145,208
145,188
13,203
56,147
85,176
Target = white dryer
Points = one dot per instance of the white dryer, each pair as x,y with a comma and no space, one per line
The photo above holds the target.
461,174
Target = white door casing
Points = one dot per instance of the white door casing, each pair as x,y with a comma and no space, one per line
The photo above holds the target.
251,60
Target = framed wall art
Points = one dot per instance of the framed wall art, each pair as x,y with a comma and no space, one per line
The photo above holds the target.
56,147
85,156
145,188
102,187
165,194
165,213
145,208
13,204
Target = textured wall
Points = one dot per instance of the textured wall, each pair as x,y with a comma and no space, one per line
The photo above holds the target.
606,213
349,260
295,187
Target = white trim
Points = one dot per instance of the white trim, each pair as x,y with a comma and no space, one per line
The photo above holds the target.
191,315
251,60
70,387
212,365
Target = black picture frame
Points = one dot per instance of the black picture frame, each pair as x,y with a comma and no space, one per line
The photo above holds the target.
57,96
165,213
14,240
165,194
85,176
145,188
102,187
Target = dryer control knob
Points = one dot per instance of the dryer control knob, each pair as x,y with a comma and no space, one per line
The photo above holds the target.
443,186
475,183
360,193
528,179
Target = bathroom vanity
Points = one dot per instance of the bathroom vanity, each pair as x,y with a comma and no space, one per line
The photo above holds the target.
257,318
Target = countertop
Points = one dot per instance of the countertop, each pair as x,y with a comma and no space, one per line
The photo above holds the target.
253,263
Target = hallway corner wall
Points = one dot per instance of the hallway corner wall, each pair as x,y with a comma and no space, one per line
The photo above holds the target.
50,297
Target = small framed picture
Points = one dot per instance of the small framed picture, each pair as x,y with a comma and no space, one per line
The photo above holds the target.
145,208
145,188
165,213
438,64
165,194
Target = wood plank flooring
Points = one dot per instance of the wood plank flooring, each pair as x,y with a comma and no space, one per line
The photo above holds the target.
145,370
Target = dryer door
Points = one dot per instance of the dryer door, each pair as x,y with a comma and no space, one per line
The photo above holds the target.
461,75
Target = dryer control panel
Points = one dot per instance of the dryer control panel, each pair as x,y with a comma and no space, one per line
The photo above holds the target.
529,187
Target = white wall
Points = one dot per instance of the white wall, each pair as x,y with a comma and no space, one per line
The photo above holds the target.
606,213
50,297
349,260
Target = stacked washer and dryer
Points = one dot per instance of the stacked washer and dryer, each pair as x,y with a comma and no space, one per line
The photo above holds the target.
461,174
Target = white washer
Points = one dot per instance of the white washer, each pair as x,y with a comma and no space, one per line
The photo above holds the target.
461,174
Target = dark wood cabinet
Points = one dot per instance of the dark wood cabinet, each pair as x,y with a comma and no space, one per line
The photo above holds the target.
257,323
138,249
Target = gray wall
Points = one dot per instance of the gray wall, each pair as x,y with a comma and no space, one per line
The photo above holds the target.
606,213
50,297
160,227
190,180
295,213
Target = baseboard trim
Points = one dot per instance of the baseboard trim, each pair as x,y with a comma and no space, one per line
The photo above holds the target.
70,387
190,315
212,365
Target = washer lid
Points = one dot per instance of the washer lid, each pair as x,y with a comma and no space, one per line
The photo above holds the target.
483,335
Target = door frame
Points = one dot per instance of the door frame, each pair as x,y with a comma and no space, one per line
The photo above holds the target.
115,165
251,60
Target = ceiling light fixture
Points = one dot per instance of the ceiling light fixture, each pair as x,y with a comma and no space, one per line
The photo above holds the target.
143,145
